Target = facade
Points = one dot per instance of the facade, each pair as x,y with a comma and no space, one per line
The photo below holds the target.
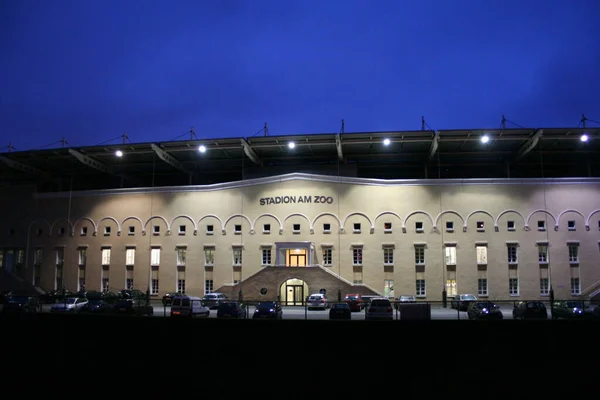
502,239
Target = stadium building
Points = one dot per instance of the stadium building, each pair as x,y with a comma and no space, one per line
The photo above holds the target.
424,213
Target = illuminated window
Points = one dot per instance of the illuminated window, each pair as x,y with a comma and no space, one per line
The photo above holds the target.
209,256
155,256
82,252
482,257
388,288
106,256
181,255
130,256
450,255
450,283
105,279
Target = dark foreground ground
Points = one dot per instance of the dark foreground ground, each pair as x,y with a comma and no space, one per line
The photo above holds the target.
452,359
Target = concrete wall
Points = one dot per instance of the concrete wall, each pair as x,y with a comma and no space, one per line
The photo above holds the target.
352,200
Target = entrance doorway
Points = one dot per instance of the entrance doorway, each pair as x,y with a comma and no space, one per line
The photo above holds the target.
294,254
296,258
293,291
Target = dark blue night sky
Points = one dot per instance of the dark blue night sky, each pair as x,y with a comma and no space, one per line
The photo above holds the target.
90,70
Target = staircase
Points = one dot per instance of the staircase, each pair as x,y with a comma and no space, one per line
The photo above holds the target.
592,292
10,282
271,278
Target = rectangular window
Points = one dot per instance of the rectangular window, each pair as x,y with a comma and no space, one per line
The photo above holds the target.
37,270
237,275
106,256
573,253
107,231
541,225
182,229
237,255
237,229
450,282
388,288
510,225
208,286
37,257
84,231
131,230
449,226
544,282
105,279
357,256
266,256
155,257
420,289
327,256
58,273
387,227
154,280
326,228
356,228
20,256
575,282
450,255
60,256
296,228
129,277
82,252
358,276
419,226
513,281
571,225
209,256
181,255
480,226
181,279
388,255
482,257
210,229
420,255
266,228
543,253
156,229
482,287
130,256
512,253
81,278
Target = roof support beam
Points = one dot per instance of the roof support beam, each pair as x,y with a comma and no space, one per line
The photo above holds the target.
22,167
529,145
90,162
338,146
169,159
250,152
434,145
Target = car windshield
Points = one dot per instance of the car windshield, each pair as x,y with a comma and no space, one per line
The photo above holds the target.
535,305
340,305
380,303
486,304
574,304
266,304
468,297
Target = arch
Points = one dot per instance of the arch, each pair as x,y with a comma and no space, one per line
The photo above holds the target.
439,216
568,211
112,219
69,224
587,221
537,211
188,218
357,213
91,221
269,215
135,218
241,216
37,221
314,221
299,215
157,217
381,214
477,212
215,217
281,290
414,213
506,212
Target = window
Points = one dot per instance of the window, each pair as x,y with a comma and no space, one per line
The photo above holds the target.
105,279
420,289
155,256
156,229
154,280
387,227
37,271
388,255
208,286
130,256
237,229
388,288
449,226
266,256
181,255
209,256
326,228
267,228
82,255
513,281
450,255
327,256
180,279
84,231
106,256
131,230
543,253
450,282
419,226
482,287
107,231
419,254
510,225
40,231
60,256
210,229
573,253
182,229
575,282
81,278
61,231
237,255
544,282
296,228
480,226
541,225
358,276
237,275
58,274
512,253
357,256
37,257
571,225
482,258
129,277
356,228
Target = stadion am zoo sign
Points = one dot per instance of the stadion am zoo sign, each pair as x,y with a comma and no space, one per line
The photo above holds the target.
264,201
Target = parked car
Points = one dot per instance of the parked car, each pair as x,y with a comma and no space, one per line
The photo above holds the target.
484,310
268,309
355,301
340,311
404,299
568,309
167,299
21,303
461,301
529,310
69,305
133,305
55,296
96,306
380,308
231,309
213,300
188,306
317,301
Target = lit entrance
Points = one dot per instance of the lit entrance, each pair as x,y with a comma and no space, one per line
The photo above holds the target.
292,292
294,254
296,258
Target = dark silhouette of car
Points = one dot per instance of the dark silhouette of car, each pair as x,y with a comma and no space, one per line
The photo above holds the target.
340,311
167,299
231,309
97,306
570,309
268,309
484,310
530,310
461,302
21,303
